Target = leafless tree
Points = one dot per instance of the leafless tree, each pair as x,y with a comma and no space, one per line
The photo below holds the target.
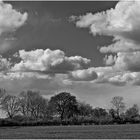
10,104
118,105
2,93
32,104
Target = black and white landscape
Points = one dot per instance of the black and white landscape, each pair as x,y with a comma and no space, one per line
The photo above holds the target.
70,62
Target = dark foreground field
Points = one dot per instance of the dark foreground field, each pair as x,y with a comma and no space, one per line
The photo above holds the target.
72,132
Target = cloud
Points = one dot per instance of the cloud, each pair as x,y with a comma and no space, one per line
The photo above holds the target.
128,61
109,75
123,55
83,75
14,83
52,71
24,75
49,61
110,59
4,64
10,19
120,46
102,75
119,78
46,64
101,71
122,67
122,23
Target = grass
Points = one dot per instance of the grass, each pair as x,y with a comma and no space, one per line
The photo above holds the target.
131,131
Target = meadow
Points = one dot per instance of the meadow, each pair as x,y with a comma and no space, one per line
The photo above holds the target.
127,131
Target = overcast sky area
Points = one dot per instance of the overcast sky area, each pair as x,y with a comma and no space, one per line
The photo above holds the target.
90,49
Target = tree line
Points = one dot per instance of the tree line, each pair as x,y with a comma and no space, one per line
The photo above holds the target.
31,108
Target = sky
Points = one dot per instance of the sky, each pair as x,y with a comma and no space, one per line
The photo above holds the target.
90,49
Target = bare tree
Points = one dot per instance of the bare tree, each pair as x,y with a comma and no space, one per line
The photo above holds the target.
32,104
23,103
10,104
118,105
2,93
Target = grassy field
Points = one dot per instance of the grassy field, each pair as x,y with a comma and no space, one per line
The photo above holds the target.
72,132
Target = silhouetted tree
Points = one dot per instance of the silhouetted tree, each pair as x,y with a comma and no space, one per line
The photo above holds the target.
64,105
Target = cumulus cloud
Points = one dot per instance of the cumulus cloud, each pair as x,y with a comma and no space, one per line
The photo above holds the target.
119,78
123,54
128,61
101,71
46,64
123,67
122,23
136,80
83,75
124,71
49,61
120,46
4,64
110,59
10,19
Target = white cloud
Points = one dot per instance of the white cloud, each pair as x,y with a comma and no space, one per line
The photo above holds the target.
110,59
83,75
4,64
120,46
124,66
23,75
49,61
119,78
122,23
10,19
128,61
101,71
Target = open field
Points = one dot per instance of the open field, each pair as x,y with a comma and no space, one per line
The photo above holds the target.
79,132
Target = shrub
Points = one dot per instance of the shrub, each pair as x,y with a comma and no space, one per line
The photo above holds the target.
9,122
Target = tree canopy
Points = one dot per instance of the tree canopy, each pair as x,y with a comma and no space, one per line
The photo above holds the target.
63,104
